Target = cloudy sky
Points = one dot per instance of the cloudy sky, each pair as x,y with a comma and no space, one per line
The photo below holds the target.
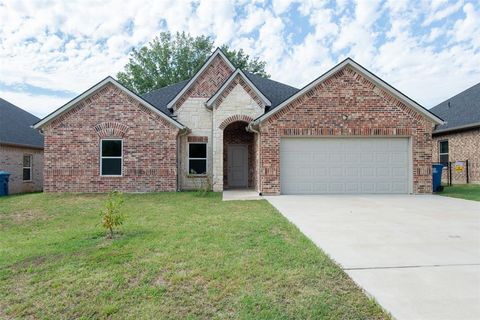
50,51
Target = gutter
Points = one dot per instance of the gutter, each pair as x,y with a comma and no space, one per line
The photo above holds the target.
9,144
458,128
250,127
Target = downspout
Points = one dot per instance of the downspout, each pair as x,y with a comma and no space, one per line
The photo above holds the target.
181,133
250,128
212,143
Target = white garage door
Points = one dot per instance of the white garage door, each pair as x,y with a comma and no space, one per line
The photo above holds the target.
344,165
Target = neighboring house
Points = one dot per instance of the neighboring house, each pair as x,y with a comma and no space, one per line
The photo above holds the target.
346,132
459,138
21,149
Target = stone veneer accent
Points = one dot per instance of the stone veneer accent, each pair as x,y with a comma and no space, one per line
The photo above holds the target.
11,160
72,146
464,145
238,102
238,105
371,112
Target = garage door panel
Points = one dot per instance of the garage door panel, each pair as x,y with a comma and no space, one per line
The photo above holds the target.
352,187
320,173
320,156
352,172
364,157
337,188
344,165
320,187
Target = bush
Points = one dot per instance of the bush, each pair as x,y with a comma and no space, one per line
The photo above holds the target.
202,185
111,215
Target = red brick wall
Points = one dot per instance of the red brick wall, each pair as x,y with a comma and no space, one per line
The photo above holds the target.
208,82
235,133
371,112
72,149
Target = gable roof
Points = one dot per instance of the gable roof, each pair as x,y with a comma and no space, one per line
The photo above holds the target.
461,111
15,126
217,52
162,96
94,89
225,85
370,76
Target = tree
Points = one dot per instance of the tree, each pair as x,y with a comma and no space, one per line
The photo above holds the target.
111,215
243,61
170,59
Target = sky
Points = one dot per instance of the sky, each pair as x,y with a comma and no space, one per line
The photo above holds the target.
51,51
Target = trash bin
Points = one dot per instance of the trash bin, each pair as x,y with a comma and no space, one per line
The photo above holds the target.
4,183
437,177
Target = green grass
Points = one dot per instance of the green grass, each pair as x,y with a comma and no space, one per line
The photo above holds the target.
178,256
463,191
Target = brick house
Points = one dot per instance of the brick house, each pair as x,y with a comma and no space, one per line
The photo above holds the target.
21,149
346,132
458,139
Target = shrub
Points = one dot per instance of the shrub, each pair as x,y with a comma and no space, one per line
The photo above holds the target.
111,215
202,185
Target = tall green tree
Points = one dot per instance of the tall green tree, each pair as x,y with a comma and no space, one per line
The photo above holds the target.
169,59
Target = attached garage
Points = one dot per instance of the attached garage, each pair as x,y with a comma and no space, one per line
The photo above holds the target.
345,165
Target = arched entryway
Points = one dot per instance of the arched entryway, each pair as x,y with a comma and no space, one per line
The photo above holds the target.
238,156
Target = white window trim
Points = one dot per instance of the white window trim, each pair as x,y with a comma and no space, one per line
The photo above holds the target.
106,157
206,159
440,153
31,167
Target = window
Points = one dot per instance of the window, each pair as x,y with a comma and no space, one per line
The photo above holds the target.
197,158
443,148
111,154
27,167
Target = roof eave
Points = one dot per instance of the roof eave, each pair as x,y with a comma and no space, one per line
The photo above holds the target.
458,128
21,145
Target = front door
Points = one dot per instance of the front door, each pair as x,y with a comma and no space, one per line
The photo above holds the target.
237,166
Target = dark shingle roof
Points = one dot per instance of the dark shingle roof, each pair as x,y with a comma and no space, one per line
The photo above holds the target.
275,91
459,111
15,126
159,98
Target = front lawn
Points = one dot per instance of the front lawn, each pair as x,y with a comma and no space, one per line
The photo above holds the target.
463,191
178,256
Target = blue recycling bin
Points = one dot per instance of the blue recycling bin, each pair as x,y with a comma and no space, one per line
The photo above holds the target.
4,183
437,177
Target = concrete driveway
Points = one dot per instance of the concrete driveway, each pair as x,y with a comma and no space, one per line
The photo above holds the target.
418,256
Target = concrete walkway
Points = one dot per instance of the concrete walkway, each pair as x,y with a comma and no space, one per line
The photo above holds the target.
418,256
240,194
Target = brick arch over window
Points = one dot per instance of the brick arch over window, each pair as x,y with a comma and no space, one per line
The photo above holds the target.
237,117
110,129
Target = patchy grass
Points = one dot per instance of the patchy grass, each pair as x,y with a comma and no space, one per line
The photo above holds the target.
178,256
463,191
